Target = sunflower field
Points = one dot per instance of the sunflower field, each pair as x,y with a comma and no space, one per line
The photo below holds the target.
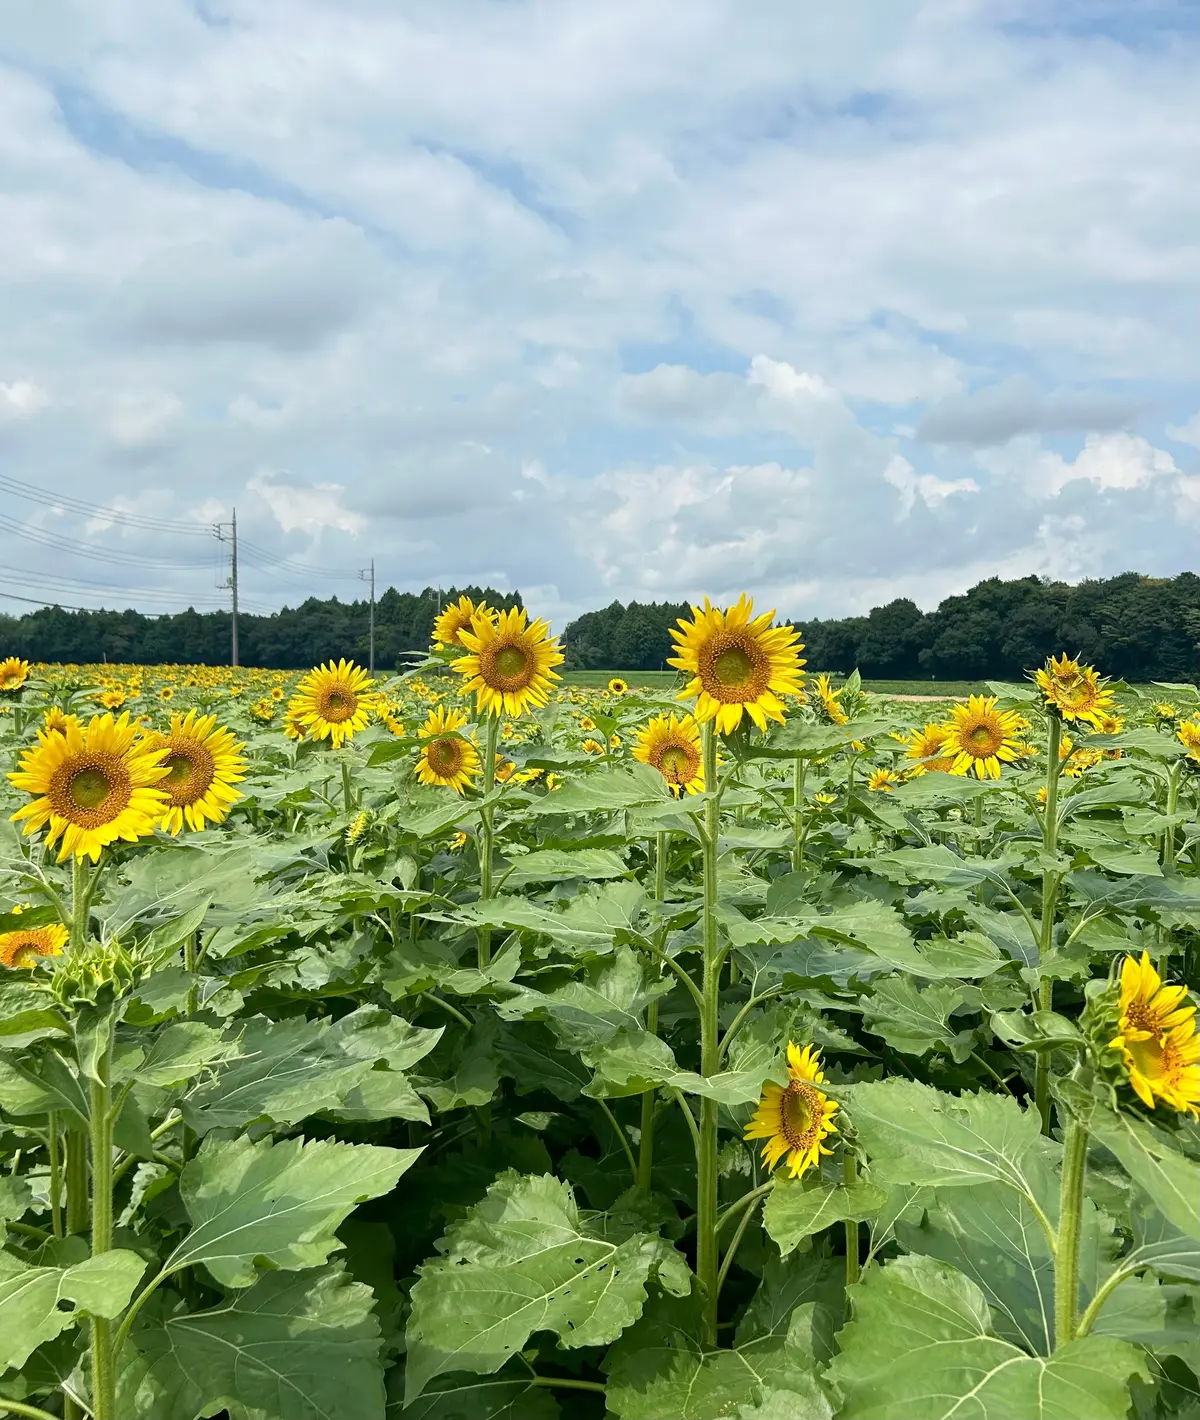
460,1044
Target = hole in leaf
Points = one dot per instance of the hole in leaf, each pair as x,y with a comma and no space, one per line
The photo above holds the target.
65,1304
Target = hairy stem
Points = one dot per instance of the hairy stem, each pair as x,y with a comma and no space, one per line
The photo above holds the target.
798,768
707,1258
1070,1217
1044,1001
104,1379
486,835
853,1267
52,1149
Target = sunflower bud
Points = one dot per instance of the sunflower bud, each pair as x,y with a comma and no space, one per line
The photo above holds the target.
99,974
362,821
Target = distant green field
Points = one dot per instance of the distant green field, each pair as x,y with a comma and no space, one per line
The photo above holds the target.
663,680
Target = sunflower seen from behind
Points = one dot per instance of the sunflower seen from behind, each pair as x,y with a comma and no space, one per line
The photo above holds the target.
980,737
14,672
203,763
671,744
1073,691
739,664
795,1119
91,785
509,662
334,702
447,759
1156,1037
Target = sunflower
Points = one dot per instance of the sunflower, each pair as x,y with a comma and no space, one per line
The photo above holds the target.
277,692
263,711
334,701
447,758
1109,724
458,841
508,662
830,701
737,664
28,945
883,780
203,763
591,746
293,729
1164,711
1188,735
457,618
1156,1035
925,746
167,693
794,1120
671,745
505,769
617,686
14,672
980,736
824,801
92,784
56,720
1076,692
112,698
587,723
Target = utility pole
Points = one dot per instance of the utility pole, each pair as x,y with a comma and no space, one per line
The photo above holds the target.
368,575
232,584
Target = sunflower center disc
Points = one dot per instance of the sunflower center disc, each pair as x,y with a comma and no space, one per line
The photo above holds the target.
797,1114
179,769
89,787
981,737
339,706
444,756
732,666
675,764
511,662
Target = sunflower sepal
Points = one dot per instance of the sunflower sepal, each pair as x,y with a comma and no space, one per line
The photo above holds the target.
97,977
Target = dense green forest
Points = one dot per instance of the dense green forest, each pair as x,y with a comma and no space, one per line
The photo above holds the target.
1139,628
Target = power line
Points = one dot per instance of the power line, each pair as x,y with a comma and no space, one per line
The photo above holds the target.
110,555
96,510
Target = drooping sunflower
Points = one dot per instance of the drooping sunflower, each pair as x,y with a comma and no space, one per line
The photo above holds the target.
617,686
92,784
457,618
334,701
1156,1035
980,737
671,744
509,662
883,781
203,763
14,672
796,1119
1076,692
738,663
830,701
592,746
29,945
1188,735
925,747
447,758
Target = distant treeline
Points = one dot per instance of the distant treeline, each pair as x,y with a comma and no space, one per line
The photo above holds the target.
1134,627
292,639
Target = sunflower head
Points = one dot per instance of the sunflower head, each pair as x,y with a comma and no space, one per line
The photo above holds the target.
334,701
91,784
796,1119
592,746
56,720
509,662
883,781
829,701
447,758
457,618
203,763
1156,1038
14,672
738,663
980,737
1188,736
617,686
29,945
925,746
671,745
1072,691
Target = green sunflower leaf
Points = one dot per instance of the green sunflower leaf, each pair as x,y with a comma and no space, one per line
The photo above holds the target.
278,1205
37,1303
922,1344
915,1020
523,1260
295,1346
797,1208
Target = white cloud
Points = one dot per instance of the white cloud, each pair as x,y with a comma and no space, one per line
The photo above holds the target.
310,510
1188,433
926,486
21,400
142,419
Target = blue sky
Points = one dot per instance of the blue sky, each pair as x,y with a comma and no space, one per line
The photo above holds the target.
599,301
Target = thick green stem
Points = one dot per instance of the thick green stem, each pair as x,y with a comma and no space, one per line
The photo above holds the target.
79,904
645,1163
347,787
1070,1216
798,767
1168,847
77,1178
853,1266
486,835
52,1149
1050,880
104,1379
707,1251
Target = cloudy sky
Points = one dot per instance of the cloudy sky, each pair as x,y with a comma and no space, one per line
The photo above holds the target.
597,298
